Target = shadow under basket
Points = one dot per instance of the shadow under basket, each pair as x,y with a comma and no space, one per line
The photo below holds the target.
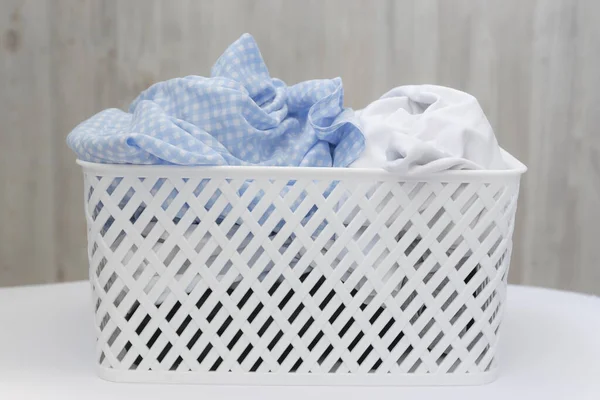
276,276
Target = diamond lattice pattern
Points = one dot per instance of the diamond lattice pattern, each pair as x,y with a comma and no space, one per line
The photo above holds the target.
281,276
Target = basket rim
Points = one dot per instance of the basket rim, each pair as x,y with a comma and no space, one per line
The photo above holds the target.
515,170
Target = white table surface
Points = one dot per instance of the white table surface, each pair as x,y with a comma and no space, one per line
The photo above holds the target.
550,349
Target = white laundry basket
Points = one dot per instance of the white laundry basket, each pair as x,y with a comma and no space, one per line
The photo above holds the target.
298,275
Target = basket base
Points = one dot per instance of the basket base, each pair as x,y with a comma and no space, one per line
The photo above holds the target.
294,379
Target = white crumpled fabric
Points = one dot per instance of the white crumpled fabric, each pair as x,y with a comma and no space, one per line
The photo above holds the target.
426,129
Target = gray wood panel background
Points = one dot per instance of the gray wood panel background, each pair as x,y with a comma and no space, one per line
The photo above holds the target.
532,64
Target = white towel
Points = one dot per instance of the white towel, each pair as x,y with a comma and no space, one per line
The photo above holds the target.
426,129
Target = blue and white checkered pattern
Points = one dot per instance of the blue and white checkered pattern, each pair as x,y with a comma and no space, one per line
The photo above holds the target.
239,116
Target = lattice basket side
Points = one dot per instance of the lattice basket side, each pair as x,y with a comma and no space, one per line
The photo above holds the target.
383,282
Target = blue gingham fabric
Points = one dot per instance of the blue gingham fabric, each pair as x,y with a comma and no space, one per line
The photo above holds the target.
238,116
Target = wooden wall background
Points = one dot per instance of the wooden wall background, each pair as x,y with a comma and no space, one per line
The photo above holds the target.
534,65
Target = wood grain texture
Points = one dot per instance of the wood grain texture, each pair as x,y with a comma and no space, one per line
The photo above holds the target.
532,64
27,219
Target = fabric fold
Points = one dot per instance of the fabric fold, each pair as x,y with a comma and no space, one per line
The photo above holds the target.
238,116
427,129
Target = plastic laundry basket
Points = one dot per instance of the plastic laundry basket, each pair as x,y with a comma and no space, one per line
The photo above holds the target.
268,275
